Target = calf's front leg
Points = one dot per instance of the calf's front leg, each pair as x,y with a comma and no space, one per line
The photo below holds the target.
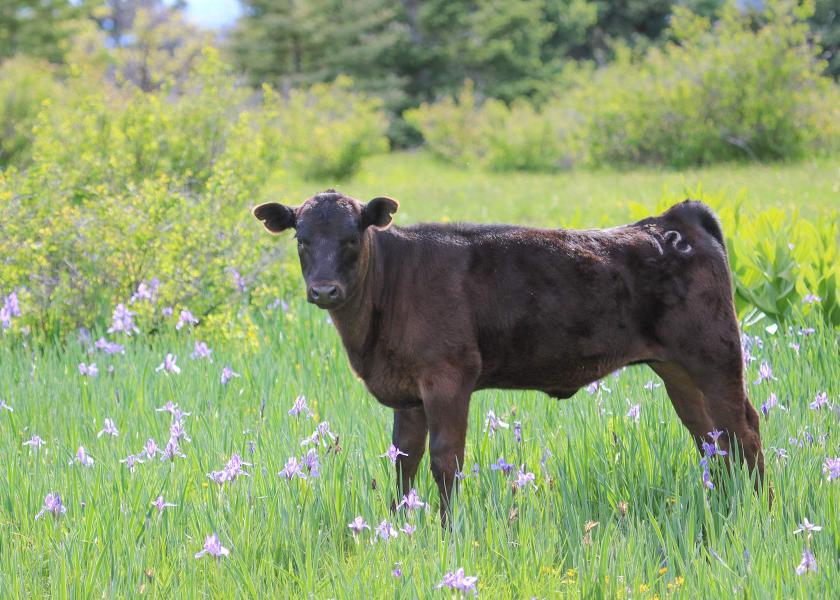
446,400
410,437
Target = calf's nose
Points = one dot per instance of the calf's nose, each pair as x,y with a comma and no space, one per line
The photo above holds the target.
325,294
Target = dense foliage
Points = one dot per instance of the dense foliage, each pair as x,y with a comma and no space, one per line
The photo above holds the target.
727,90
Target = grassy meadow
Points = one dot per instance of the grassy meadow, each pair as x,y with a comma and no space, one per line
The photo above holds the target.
618,508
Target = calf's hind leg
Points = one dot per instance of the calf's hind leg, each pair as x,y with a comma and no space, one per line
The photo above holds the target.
709,400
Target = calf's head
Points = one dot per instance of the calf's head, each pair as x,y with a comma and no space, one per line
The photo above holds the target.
333,235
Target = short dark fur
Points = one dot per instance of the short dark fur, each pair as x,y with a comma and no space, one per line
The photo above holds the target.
430,313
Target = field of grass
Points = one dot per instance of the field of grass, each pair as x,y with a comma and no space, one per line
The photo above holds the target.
429,190
619,508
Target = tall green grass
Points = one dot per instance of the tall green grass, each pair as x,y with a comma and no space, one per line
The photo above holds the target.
290,538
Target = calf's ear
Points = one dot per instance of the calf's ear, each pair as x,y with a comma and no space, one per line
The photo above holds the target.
275,217
378,212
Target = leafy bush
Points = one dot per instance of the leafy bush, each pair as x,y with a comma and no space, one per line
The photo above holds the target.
728,91
129,187
329,129
25,84
498,136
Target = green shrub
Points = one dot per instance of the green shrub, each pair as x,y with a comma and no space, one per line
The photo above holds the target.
25,84
497,136
329,129
717,92
129,186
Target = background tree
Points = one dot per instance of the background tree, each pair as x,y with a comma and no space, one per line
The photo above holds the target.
37,28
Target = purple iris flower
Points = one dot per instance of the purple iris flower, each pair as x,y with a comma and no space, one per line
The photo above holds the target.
83,458
502,465
172,409
172,450
386,531
397,572
52,504
523,478
159,503
167,311
131,461
34,442
517,431
177,431
185,318
146,291
228,374
292,469
492,423
820,400
151,449
765,373
357,525
808,563
201,350
811,299
321,434
238,281
412,501
122,321
831,467
88,370
597,386
169,365
635,412
108,428
392,453
771,402
213,547
311,463
458,581
807,526
299,407
109,347
408,529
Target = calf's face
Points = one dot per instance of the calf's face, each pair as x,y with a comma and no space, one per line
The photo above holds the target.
333,240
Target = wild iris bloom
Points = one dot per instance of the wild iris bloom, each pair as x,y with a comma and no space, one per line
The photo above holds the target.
88,370
392,453
807,526
151,449
228,374
808,563
517,431
169,365
109,428
597,386
820,400
239,281
201,350
831,467
83,458
635,412
160,504
52,504
386,531
412,501
357,525
408,529
185,318
311,463
321,434
292,469
771,402
523,479
34,442
213,547
109,347
299,407
458,581
765,373
172,450
146,291
502,465
123,321
173,410
493,423
177,431
131,461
